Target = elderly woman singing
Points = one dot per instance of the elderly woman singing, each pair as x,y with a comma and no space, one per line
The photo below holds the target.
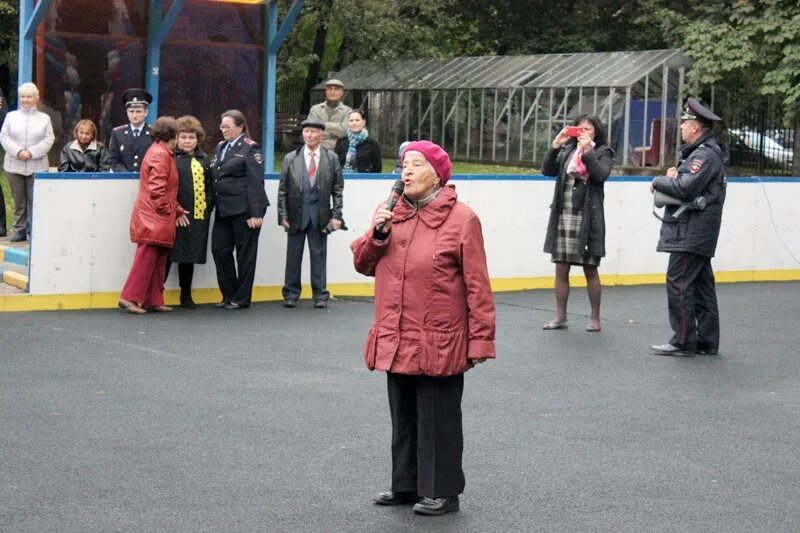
434,320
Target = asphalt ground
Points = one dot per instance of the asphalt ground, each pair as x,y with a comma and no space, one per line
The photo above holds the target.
266,420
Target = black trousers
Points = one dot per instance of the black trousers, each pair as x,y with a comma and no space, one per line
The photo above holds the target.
228,235
427,437
318,249
2,210
692,302
185,275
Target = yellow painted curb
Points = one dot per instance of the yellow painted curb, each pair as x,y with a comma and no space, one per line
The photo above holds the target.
107,300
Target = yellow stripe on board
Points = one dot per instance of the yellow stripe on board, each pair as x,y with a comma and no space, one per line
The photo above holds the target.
107,300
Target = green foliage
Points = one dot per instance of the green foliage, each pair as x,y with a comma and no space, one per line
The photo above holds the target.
746,46
9,29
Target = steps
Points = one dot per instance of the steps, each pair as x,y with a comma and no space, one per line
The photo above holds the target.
13,268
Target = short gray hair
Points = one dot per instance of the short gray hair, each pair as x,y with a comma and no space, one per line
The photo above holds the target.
28,87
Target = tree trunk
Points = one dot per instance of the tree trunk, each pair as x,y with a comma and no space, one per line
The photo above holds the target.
320,37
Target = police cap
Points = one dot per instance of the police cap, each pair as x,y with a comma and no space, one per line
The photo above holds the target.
136,97
313,123
694,110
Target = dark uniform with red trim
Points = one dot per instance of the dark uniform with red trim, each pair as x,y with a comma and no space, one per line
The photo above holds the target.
691,240
238,185
126,147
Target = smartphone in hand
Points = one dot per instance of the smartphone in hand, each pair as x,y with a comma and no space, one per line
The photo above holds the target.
574,131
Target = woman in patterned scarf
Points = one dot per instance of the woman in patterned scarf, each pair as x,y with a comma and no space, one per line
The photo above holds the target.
581,160
194,194
358,152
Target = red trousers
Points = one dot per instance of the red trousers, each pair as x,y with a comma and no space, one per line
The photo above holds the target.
145,284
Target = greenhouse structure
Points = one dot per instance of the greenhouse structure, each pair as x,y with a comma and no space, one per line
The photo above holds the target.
507,109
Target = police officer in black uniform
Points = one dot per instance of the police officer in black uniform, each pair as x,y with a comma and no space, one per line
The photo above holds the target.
689,232
130,142
237,172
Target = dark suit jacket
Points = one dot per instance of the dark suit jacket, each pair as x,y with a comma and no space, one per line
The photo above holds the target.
124,152
238,180
329,182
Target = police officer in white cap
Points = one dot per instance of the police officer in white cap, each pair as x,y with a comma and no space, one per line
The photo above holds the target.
130,142
333,113
689,233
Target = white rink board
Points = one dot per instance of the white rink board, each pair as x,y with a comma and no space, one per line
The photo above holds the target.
81,240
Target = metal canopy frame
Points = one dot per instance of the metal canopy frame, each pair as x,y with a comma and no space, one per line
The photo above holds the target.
506,109
30,16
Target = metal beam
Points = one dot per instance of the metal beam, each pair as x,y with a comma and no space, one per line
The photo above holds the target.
30,17
286,26
35,18
157,31
273,39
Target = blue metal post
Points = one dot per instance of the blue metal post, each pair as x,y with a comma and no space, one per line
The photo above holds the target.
153,59
273,38
29,19
25,64
270,82
157,31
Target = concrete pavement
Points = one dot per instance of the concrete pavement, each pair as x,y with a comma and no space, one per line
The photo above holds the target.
267,420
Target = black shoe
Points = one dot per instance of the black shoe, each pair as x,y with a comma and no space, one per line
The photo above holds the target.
187,302
220,305
3,231
288,302
669,349
395,498
19,236
437,506
234,305
707,351
320,304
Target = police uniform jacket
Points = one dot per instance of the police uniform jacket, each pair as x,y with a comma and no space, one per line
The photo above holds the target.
93,159
125,154
290,191
700,173
238,180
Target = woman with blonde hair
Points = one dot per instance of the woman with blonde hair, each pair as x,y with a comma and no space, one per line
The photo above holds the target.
85,153
26,136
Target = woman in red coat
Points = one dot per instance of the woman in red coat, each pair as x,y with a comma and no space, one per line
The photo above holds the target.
434,320
155,214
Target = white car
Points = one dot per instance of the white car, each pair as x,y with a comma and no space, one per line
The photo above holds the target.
771,149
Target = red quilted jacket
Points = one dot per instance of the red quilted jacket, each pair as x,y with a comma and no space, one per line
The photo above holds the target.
434,309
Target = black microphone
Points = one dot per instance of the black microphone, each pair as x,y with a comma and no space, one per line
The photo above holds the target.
397,190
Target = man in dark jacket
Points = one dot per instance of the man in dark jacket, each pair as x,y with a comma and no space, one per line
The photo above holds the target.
130,142
309,207
689,233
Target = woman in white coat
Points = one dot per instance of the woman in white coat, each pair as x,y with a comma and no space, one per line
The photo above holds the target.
26,136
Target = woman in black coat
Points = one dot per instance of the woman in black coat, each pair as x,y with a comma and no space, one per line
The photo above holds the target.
194,195
358,152
581,160
85,153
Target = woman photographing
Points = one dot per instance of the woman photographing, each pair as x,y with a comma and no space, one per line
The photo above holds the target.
581,160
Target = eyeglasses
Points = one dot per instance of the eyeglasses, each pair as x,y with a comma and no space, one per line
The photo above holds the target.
225,127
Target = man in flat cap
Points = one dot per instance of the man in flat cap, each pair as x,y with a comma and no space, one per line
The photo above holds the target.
130,142
332,113
689,233
309,208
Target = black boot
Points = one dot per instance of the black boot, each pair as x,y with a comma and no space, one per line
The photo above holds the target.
185,274
186,298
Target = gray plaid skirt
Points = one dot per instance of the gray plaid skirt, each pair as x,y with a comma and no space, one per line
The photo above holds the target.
568,247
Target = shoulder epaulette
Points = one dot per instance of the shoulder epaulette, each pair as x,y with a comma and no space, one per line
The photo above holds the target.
120,128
